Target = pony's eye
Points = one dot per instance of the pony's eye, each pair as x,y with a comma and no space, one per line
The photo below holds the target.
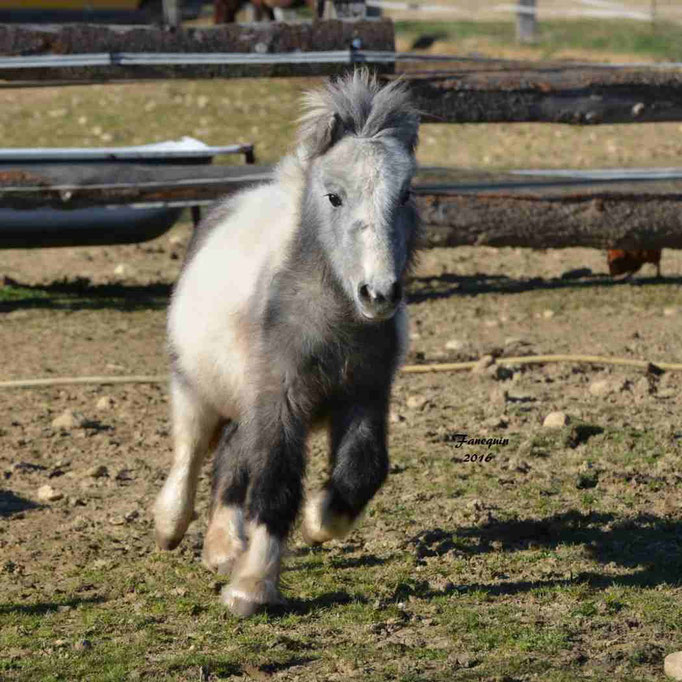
334,200
405,196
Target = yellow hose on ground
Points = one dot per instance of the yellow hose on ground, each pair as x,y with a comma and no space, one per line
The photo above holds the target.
407,369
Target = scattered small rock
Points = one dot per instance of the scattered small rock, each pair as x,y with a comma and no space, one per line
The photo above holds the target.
465,661
106,402
455,344
79,523
548,314
47,493
124,475
132,515
121,270
601,387
643,387
555,420
672,665
98,471
395,417
68,420
416,402
75,502
515,341
117,520
670,311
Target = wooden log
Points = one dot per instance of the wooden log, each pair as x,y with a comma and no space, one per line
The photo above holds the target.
259,38
465,208
457,207
499,92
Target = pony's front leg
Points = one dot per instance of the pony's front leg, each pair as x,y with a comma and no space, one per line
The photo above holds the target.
195,425
276,464
359,468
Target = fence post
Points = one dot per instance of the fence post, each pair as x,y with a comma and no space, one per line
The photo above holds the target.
171,13
346,9
526,21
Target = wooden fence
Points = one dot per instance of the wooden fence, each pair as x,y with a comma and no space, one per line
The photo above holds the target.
458,207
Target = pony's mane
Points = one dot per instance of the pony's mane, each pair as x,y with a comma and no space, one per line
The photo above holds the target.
356,104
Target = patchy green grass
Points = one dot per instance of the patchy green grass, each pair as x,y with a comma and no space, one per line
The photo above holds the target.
478,583
660,41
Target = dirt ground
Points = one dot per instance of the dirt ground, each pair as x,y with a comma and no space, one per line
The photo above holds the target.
557,559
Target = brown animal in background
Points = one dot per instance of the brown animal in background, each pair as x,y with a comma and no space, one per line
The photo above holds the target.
630,261
225,11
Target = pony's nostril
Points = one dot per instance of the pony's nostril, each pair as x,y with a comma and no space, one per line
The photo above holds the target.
363,292
376,297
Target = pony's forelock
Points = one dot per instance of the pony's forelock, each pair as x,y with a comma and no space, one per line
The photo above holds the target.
356,104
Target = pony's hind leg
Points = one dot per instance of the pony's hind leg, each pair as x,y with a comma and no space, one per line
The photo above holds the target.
195,426
225,539
359,468
275,457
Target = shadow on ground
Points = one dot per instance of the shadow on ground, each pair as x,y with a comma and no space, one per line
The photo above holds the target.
41,608
81,294
422,289
649,545
13,504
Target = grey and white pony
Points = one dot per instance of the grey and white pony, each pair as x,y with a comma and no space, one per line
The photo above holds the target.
289,315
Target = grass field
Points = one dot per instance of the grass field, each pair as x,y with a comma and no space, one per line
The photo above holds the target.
607,39
556,560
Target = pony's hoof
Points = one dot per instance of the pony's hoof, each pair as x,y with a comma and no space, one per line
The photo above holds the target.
321,524
246,596
313,537
166,542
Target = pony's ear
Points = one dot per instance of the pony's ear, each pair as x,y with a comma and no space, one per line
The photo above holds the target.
333,132
319,134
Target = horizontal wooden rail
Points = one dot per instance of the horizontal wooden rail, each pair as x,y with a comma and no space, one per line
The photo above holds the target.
610,210
446,89
508,92
24,42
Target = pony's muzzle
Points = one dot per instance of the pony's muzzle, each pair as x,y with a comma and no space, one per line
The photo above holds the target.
381,301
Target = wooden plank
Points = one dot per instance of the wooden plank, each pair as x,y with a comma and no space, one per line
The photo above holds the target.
80,186
260,38
497,92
